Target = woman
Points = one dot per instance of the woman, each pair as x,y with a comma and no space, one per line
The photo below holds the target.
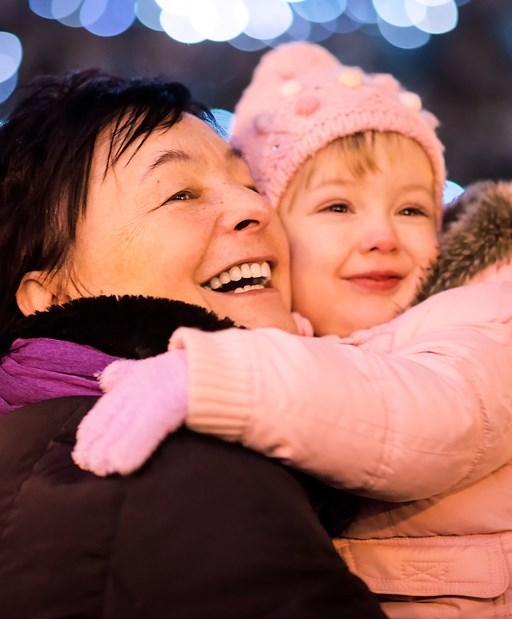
116,196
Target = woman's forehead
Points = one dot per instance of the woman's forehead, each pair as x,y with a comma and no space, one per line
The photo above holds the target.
190,140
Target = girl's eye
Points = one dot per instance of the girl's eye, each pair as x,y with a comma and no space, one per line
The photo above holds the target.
414,211
338,207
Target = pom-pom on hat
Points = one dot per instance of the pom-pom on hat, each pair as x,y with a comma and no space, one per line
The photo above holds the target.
301,98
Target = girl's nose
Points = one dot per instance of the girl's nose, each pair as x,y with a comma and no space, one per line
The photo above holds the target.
379,236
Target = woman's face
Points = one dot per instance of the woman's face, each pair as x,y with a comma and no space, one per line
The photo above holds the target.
179,219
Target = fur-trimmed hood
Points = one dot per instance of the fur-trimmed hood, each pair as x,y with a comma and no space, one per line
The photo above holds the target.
133,327
477,241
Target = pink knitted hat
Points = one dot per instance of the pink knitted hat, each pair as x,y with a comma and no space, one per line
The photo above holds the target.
301,98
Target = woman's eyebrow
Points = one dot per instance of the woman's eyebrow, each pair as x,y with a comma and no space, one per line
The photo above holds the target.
168,156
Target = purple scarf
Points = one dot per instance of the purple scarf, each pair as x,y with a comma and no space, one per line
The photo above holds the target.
41,369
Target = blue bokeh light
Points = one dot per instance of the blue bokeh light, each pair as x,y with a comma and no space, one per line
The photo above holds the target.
11,53
269,22
91,11
117,17
72,21
451,191
393,13
7,87
344,24
404,38
219,20
148,13
43,8
224,120
179,28
320,11
319,33
64,8
362,11
300,30
439,19
247,44
268,19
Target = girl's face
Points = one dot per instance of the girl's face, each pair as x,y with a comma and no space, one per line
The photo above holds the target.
361,236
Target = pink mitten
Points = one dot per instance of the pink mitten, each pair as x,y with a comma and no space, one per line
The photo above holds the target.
145,401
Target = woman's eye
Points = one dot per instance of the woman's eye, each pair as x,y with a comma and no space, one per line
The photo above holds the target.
185,194
337,207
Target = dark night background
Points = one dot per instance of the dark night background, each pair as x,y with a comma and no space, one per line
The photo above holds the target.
463,76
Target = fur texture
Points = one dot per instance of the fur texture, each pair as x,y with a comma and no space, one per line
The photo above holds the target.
129,326
478,235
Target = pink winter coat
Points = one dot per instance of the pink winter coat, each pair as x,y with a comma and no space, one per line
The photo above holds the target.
415,414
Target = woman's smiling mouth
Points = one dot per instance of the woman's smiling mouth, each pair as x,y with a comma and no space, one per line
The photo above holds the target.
243,277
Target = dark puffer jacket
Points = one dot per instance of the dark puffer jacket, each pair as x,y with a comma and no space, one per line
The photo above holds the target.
205,530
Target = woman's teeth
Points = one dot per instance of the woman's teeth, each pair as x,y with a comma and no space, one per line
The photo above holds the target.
242,278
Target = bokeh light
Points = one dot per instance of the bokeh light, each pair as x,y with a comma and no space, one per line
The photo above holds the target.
247,44
219,20
451,191
319,33
268,19
72,20
224,120
11,53
91,11
148,13
438,19
63,8
320,11
361,11
300,30
43,8
404,38
116,17
251,25
393,13
179,27
344,24
7,87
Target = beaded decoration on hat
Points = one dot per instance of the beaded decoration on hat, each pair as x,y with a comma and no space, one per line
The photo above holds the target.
301,98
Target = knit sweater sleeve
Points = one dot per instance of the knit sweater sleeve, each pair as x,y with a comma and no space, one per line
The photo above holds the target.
417,408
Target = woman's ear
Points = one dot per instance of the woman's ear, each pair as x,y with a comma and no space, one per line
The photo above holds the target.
37,292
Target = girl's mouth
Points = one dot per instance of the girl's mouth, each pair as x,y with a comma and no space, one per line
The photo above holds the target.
376,281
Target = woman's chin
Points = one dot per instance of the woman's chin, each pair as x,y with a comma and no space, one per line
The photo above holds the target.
254,309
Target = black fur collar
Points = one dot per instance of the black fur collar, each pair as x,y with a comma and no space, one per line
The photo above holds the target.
129,326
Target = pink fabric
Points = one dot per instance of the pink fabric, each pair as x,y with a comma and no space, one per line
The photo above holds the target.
301,98
418,408
144,402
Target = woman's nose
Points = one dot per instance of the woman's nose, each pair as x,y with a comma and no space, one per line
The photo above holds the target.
246,210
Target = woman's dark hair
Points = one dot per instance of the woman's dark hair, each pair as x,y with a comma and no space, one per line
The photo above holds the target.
46,150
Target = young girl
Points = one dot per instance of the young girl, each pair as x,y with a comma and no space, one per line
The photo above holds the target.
416,413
